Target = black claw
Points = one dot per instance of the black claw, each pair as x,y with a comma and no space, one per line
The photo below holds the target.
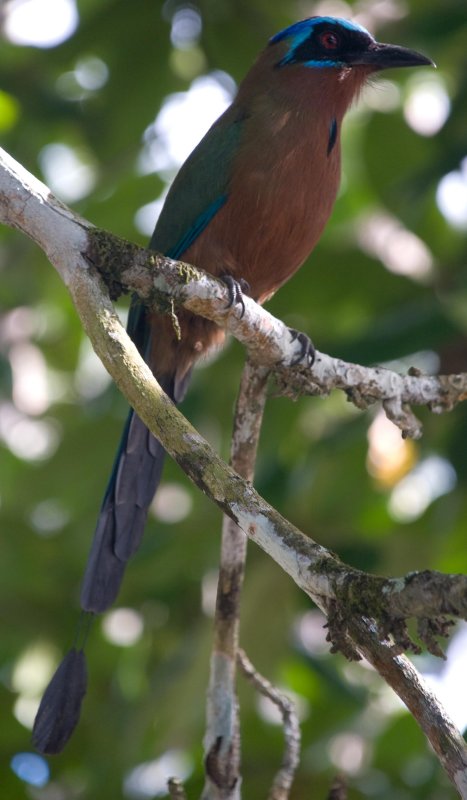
307,349
237,290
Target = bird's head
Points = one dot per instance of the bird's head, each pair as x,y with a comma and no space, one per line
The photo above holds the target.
319,64
330,42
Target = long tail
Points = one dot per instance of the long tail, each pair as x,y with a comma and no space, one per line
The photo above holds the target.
138,465
135,477
120,526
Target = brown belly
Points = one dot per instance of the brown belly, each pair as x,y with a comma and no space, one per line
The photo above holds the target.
271,222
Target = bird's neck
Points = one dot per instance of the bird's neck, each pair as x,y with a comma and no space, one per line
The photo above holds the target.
305,91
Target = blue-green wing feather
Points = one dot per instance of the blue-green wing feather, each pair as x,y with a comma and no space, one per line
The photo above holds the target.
197,227
198,192
201,187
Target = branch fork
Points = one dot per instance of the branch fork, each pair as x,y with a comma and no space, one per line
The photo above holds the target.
27,205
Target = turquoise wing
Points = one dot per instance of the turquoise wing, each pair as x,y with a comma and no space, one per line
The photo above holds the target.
199,190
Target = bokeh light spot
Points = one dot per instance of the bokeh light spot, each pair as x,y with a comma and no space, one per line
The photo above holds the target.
389,456
28,439
40,23
430,479
187,25
49,517
29,370
427,105
33,669
183,120
66,171
123,626
349,752
25,710
383,236
172,503
451,197
149,779
91,73
30,768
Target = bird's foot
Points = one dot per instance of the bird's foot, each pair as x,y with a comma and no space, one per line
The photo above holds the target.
307,349
236,290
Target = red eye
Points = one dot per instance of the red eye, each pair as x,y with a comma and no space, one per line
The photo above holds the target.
329,40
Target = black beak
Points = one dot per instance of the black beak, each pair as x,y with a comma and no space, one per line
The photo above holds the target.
384,56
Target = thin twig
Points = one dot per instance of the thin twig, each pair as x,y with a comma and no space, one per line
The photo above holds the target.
222,743
282,783
176,790
338,789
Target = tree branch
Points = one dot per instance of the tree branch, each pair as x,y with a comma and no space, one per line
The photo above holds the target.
222,745
425,707
159,280
176,790
27,205
283,780
338,789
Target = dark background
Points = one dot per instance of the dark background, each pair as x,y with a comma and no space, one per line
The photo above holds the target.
389,510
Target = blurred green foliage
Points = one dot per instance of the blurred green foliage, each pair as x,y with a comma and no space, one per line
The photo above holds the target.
313,463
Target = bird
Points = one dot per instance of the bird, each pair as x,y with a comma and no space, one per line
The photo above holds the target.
248,206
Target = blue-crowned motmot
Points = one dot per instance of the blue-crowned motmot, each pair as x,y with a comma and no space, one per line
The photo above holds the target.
250,202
